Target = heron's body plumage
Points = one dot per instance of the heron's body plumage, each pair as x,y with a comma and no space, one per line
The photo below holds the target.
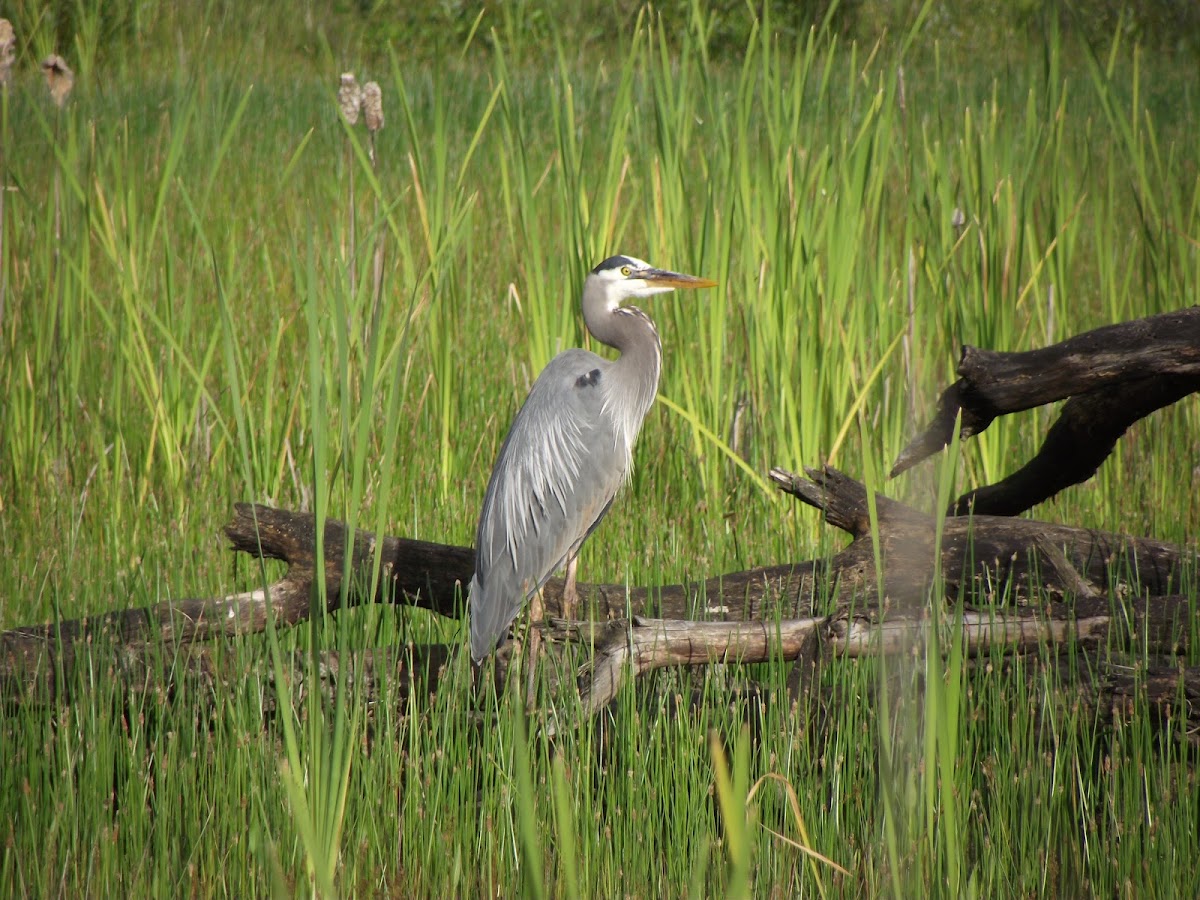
567,453
531,521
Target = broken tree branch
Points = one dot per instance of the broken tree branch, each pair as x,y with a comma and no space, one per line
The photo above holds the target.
1114,376
1159,627
982,560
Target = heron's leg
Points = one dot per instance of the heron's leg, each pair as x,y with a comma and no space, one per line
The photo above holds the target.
537,612
570,599
508,660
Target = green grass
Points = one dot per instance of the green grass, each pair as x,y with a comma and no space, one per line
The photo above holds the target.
181,330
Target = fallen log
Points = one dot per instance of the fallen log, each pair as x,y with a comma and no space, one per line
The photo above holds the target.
1047,585
1161,627
1113,376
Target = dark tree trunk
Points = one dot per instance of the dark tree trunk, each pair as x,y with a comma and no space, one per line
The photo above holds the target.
1114,376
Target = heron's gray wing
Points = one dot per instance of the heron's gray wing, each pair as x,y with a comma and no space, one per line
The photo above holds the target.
558,471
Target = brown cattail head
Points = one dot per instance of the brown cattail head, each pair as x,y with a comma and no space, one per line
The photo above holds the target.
59,78
8,50
350,98
372,99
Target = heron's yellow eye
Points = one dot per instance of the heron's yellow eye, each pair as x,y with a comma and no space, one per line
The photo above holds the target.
625,270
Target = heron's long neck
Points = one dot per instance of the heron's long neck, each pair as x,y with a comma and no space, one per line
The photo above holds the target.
633,378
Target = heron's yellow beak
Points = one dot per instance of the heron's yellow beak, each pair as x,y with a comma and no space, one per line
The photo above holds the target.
677,280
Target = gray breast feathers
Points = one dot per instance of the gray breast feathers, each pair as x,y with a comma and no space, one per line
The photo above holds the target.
561,464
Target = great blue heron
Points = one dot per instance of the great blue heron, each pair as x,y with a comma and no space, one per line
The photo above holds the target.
568,451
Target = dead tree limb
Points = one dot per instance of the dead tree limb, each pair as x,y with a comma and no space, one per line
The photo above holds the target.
1160,627
1114,376
983,560
417,573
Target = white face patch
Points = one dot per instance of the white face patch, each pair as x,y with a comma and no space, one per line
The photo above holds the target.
620,283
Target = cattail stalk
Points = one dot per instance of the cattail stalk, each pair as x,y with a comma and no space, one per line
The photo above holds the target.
366,101
373,113
372,101
349,103
8,54
8,51
60,80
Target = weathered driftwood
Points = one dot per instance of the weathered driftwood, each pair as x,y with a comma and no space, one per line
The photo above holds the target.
997,560
1114,376
1159,627
751,616
47,652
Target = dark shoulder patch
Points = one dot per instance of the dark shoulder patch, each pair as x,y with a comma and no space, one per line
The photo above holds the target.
588,379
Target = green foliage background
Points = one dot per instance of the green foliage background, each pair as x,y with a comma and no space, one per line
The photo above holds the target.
189,320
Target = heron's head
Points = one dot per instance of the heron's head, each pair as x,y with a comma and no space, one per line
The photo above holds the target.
623,278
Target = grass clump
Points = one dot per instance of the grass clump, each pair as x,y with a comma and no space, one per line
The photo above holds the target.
214,288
